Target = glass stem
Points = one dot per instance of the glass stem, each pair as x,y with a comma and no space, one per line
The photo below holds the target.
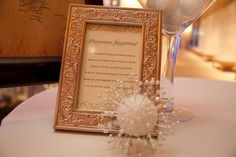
173,48
173,42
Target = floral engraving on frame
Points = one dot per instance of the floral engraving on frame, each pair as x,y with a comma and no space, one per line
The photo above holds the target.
114,28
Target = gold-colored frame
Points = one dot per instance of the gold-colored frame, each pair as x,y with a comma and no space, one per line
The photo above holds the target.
66,115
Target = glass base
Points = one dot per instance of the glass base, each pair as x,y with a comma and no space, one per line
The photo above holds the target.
183,115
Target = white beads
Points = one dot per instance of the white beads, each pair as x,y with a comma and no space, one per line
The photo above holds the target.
140,117
133,107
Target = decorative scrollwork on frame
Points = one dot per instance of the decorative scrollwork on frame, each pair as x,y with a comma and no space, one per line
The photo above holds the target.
67,117
114,28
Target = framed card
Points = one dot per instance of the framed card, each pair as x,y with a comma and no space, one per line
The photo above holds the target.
102,45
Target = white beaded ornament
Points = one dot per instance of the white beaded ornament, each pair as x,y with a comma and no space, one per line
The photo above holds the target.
135,111
140,120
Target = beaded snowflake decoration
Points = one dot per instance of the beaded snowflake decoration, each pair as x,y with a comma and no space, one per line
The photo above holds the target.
140,121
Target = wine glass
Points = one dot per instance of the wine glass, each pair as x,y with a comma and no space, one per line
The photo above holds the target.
177,16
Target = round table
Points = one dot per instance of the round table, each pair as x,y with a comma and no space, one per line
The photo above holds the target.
28,130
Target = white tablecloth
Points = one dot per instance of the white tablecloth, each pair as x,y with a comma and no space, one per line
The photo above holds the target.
28,130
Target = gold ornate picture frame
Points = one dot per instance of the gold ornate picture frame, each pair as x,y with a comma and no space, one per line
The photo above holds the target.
103,44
